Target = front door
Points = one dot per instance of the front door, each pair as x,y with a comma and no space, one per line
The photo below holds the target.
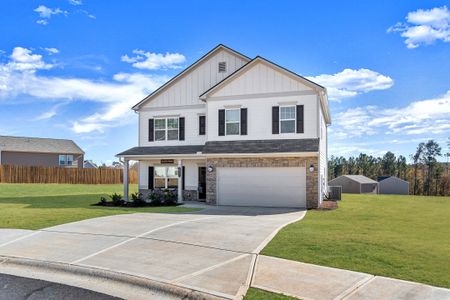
202,183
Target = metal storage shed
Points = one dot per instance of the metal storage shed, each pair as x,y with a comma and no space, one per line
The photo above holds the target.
392,185
355,184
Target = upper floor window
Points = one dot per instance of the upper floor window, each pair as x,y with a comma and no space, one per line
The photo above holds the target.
232,121
287,119
166,129
222,67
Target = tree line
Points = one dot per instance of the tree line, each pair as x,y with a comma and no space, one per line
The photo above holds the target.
426,176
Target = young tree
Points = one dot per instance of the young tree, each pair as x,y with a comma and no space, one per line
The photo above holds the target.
417,159
388,163
401,167
437,174
431,151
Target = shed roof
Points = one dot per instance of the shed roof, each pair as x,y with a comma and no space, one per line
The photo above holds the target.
360,178
40,145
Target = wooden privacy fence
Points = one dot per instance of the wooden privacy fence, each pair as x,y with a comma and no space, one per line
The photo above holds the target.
28,174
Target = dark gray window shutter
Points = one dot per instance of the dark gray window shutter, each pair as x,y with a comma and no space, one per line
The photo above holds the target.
150,130
243,121
183,176
181,129
202,125
221,122
150,177
275,119
300,119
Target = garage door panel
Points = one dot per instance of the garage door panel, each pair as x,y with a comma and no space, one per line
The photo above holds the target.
274,187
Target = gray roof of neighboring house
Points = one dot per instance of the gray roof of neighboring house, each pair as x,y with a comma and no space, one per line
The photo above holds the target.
263,146
41,145
258,146
359,178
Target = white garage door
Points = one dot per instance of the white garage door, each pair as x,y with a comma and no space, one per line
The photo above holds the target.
271,187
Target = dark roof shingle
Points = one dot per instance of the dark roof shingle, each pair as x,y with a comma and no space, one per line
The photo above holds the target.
41,145
228,147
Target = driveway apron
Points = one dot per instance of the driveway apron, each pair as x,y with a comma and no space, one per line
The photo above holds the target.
212,251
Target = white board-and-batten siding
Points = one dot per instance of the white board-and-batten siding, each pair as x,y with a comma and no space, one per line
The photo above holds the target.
187,89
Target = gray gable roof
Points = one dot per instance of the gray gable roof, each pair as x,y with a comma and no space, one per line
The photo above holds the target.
360,178
41,145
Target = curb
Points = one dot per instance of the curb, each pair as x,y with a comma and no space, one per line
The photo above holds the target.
103,281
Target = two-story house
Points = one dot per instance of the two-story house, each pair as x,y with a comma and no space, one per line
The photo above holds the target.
231,130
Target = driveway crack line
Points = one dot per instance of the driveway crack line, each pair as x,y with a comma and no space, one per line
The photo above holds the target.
350,291
19,239
134,238
208,268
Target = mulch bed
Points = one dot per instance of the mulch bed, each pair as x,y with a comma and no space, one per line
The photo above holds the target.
328,205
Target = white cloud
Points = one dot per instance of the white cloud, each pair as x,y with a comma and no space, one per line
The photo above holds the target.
349,83
45,13
430,116
52,50
19,77
76,2
22,59
42,22
154,61
424,27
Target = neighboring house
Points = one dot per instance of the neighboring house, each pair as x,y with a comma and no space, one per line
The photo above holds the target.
89,164
355,184
231,130
31,151
392,185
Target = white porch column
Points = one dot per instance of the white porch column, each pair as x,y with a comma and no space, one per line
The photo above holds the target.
180,181
125,179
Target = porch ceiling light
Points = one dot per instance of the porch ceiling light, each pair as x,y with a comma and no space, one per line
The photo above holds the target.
311,168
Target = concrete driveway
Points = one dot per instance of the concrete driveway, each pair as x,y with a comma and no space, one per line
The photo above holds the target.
211,251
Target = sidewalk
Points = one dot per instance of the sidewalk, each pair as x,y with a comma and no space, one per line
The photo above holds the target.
307,281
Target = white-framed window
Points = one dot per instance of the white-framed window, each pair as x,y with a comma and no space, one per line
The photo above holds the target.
287,119
232,121
166,177
62,160
166,129
69,159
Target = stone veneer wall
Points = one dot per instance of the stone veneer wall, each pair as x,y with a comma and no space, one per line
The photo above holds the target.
312,181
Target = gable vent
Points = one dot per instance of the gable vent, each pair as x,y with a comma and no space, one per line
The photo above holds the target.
222,67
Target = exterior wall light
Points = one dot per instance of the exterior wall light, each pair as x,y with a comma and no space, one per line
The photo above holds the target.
210,169
311,168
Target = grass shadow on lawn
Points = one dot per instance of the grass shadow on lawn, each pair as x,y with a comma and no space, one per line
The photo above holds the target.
36,212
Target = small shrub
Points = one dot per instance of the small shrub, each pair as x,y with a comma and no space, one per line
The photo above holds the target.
117,199
155,198
170,197
138,200
103,201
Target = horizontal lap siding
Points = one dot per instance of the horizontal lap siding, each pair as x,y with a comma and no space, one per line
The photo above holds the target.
27,174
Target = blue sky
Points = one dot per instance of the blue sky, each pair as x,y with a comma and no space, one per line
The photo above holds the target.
72,69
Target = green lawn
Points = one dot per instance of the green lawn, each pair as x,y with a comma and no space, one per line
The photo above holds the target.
405,237
35,206
257,294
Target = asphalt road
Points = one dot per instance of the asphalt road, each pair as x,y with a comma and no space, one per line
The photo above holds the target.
19,288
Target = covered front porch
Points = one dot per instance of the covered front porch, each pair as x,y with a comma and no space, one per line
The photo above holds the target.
183,174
